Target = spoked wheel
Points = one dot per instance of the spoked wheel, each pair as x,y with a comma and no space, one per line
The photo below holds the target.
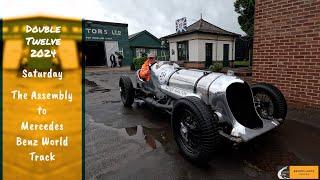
189,132
264,105
126,91
269,101
195,129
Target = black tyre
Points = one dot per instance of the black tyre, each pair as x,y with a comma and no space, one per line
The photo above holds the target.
195,129
270,102
126,91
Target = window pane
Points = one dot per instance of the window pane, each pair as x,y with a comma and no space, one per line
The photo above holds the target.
183,52
140,52
153,51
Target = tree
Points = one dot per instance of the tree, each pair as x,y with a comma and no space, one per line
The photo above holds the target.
245,9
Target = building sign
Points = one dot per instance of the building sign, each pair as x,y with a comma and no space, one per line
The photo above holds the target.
102,31
181,25
94,31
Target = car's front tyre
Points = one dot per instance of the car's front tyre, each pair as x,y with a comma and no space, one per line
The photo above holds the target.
127,91
195,129
270,102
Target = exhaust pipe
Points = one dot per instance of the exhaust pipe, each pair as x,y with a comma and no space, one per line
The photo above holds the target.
152,102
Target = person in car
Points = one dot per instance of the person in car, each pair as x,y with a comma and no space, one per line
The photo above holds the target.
145,69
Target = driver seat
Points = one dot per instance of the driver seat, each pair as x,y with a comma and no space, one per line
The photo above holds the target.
148,85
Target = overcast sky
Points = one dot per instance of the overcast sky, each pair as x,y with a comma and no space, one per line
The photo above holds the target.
156,16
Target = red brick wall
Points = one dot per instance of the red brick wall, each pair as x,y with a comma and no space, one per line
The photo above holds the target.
194,65
287,48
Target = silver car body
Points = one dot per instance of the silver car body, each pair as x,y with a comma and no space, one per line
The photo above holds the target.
211,87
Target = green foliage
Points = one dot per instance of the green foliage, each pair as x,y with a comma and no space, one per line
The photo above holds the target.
138,62
241,63
245,9
216,67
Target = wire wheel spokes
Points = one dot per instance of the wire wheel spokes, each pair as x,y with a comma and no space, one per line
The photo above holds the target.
189,131
265,106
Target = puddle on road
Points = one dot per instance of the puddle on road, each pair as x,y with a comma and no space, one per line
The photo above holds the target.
98,89
146,126
90,83
151,131
94,87
106,102
153,137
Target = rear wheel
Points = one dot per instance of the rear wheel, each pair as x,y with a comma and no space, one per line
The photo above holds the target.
126,91
270,102
195,129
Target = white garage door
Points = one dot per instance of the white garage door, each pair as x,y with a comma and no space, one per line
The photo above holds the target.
111,47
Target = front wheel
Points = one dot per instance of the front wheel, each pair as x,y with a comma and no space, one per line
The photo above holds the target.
195,129
270,102
126,91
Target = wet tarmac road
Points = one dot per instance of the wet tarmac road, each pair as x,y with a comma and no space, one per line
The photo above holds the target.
137,143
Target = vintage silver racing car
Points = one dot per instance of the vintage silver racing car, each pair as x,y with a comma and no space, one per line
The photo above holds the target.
207,107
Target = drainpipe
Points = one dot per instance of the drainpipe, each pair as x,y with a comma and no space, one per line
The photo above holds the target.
217,48
233,51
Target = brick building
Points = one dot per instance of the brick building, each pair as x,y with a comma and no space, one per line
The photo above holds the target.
287,49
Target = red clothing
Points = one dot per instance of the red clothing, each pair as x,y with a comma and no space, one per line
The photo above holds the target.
145,70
